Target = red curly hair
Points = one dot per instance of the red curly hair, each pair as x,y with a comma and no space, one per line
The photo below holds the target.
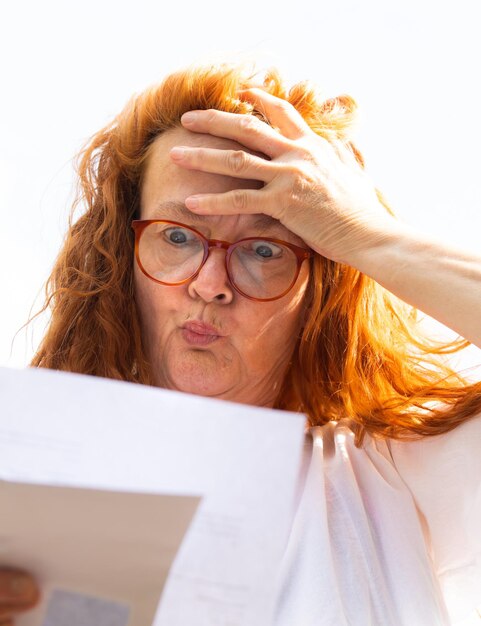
359,354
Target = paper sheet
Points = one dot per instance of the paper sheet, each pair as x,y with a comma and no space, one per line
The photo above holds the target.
112,549
64,430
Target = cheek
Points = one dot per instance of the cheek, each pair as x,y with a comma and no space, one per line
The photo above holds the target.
143,295
272,332
151,305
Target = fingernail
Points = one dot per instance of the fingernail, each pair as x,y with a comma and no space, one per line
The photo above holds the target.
177,153
188,118
192,203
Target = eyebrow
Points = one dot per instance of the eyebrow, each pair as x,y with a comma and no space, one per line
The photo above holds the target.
178,211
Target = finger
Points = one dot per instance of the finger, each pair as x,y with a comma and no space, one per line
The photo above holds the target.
238,201
279,112
18,591
236,163
247,130
12,608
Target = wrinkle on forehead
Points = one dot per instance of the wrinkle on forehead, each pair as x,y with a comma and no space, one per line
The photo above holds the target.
163,178
177,211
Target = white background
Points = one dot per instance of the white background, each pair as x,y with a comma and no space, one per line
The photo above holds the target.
69,67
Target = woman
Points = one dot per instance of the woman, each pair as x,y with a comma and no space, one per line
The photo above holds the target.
232,246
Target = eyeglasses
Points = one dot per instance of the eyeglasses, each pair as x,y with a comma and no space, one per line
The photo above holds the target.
259,268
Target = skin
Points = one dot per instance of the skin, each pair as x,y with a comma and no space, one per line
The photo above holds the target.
249,362
321,199
316,190
18,592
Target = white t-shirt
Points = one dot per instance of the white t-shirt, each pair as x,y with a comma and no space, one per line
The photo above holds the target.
388,534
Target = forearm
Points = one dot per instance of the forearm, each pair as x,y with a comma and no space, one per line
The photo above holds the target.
439,279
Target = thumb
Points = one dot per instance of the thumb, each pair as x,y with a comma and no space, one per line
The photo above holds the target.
18,592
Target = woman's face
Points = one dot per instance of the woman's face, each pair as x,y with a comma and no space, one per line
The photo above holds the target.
246,356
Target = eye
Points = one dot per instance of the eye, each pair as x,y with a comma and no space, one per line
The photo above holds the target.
266,249
178,236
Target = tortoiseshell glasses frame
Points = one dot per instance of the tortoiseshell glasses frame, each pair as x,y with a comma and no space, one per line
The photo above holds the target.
301,254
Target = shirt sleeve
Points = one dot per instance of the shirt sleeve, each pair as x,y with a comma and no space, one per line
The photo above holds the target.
443,474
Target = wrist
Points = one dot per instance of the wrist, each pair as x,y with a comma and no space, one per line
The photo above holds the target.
381,247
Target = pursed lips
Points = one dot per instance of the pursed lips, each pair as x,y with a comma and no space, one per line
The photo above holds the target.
199,333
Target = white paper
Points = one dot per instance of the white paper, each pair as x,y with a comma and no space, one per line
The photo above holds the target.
74,431
93,552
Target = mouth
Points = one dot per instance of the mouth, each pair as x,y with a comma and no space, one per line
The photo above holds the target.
199,333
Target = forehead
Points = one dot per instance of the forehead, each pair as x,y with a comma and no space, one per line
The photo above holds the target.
162,176
165,185
180,136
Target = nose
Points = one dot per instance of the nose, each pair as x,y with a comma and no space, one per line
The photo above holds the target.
212,283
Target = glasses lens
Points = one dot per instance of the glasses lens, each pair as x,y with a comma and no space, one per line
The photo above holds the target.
170,253
263,269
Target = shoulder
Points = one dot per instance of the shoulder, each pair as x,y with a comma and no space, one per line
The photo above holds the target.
443,473
455,451
438,478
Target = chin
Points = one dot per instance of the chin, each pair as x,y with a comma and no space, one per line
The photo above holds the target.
199,378
200,386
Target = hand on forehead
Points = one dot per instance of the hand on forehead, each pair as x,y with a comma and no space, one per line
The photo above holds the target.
314,186
165,185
